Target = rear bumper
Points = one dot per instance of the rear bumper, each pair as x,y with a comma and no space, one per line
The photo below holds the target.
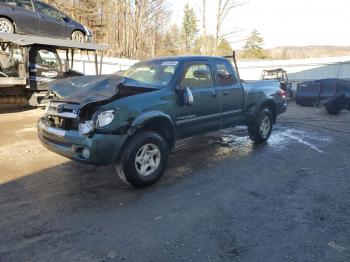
103,148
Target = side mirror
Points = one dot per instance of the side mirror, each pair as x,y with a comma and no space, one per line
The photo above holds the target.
188,97
201,74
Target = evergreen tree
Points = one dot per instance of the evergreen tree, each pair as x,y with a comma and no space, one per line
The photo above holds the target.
190,28
253,46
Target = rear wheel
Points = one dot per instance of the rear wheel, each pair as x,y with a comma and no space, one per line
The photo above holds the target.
6,26
78,36
260,131
144,159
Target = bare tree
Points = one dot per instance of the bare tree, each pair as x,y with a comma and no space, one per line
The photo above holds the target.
204,28
225,7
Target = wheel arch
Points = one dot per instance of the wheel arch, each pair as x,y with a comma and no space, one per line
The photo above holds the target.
158,122
11,20
77,30
270,104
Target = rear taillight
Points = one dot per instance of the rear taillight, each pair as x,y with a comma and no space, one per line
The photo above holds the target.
282,93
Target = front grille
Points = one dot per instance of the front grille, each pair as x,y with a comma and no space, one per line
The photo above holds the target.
63,108
63,116
63,123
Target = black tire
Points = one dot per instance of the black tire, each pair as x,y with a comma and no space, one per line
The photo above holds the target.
6,26
333,111
127,166
255,129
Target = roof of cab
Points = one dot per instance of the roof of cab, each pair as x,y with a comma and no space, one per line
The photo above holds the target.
188,58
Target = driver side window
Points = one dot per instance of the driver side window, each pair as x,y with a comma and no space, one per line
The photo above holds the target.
198,76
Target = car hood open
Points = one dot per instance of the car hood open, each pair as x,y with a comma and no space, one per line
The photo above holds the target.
90,89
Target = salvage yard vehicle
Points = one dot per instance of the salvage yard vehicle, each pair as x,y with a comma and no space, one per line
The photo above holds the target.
277,74
133,121
333,93
34,17
28,63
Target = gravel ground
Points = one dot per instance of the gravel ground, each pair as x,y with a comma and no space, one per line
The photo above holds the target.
222,198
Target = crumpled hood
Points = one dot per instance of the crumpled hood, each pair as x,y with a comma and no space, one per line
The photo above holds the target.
88,89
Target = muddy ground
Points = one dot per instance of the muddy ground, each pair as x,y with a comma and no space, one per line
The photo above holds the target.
222,198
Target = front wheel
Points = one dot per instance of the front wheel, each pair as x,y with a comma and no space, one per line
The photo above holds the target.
260,131
6,26
144,159
78,36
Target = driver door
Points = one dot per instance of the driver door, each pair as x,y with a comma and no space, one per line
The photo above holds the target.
205,113
44,66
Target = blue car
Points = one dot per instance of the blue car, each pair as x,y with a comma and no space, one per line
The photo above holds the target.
38,18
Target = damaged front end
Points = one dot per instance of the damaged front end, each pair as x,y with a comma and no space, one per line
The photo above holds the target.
77,102
78,124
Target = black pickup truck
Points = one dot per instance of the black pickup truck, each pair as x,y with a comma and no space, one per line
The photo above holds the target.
133,120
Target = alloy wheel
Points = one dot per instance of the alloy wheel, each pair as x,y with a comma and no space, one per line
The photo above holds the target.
147,159
78,37
265,126
5,27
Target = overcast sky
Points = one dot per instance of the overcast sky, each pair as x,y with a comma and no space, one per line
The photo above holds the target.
282,22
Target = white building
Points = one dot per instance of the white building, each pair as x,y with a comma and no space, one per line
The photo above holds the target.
298,70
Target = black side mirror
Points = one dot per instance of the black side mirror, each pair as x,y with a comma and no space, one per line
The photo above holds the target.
65,19
188,97
201,74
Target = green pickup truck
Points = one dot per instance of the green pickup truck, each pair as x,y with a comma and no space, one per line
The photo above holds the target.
133,120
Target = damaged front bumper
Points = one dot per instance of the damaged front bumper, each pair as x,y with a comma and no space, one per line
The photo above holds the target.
99,149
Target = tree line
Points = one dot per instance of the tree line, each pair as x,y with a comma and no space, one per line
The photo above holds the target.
140,29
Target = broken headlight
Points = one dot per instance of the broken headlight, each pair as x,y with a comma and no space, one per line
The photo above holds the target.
86,128
105,118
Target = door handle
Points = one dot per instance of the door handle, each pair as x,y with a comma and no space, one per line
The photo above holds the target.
43,17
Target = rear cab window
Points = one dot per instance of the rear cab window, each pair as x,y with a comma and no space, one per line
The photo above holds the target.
224,74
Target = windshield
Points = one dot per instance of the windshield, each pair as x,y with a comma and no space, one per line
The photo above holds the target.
153,73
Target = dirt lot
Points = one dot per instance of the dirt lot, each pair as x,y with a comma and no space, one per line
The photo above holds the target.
222,198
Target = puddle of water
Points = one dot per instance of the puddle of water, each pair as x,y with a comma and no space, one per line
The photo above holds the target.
282,137
202,151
